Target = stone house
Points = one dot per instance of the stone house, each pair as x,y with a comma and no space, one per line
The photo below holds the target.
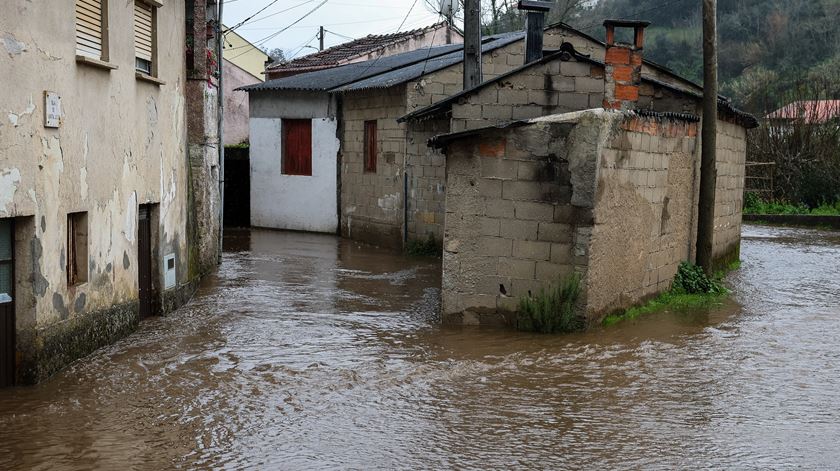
537,191
107,150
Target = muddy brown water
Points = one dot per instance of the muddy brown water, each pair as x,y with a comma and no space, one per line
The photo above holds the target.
308,352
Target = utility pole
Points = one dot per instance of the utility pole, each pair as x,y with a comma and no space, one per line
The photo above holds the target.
321,37
221,124
472,43
708,160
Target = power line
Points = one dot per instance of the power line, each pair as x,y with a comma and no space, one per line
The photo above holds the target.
274,35
363,72
255,14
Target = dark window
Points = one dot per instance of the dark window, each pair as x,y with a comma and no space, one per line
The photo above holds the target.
77,248
370,146
297,147
6,260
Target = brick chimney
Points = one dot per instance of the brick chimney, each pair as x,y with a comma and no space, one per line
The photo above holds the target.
534,24
623,64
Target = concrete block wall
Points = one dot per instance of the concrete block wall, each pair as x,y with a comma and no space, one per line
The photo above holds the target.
729,197
541,90
510,227
372,202
609,195
644,211
426,179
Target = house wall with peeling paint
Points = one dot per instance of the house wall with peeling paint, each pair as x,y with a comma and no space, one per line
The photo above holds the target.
122,143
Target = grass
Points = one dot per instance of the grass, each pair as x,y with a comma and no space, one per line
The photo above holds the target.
553,310
430,247
755,205
691,289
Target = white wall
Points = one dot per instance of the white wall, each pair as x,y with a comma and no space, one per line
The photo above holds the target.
301,203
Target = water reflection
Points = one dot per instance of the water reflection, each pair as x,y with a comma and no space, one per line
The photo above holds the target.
308,352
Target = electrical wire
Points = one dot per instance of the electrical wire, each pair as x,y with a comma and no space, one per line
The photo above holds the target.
255,14
274,35
363,72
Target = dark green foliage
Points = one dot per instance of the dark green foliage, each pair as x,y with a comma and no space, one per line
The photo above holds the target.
753,204
691,279
429,247
553,310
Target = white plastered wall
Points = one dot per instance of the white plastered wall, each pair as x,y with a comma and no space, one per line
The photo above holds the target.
293,202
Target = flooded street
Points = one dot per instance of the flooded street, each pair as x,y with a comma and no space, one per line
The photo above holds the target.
310,352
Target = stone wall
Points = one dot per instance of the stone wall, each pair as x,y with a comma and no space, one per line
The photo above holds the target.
372,202
236,103
609,195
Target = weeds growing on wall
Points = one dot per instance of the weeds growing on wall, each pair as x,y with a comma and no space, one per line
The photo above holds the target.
553,310
429,247
691,289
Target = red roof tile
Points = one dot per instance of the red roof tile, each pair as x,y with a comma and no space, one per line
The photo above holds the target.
812,111
336,55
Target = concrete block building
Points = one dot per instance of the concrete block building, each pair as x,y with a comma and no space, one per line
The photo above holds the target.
610,193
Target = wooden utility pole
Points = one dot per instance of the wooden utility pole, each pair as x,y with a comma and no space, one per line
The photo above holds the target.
708,161
321,37
472,43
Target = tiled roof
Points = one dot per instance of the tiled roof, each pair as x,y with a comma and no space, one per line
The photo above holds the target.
812,111
335,55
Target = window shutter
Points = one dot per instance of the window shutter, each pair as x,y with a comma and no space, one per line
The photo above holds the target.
143,31
89,28
297,147
370,146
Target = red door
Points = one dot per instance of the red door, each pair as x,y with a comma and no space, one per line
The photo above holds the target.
7,303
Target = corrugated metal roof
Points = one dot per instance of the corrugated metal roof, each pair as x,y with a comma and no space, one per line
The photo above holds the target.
414,71
327,79
382,72
333,56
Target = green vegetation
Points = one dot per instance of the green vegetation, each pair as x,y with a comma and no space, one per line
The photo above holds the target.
429,247
755,205
552,310
241,145
691,289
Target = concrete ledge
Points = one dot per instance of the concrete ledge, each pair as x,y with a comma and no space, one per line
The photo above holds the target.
795,220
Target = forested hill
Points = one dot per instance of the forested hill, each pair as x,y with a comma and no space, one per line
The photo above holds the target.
767,48
770,51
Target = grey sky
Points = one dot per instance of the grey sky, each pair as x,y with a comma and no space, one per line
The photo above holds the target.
353,18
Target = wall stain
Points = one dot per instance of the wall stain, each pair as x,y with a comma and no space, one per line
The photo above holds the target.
79,305
58,304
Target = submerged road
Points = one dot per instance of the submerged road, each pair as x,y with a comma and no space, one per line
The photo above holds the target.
310,352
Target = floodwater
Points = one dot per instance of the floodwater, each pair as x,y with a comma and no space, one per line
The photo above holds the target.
308,352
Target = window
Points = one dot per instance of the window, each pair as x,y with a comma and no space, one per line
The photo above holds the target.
145,44
370,146
77,248
297,147
92,29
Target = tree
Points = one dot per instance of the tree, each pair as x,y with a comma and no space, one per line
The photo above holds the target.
275,54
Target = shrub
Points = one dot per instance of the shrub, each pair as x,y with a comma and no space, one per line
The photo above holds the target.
552,310
424,248
691,279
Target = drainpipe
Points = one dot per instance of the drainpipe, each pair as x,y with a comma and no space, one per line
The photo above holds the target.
220,132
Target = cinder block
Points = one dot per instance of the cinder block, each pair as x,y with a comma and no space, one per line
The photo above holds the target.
492,167
573,101
530,250
495,247
518,229
489,226
561,254
490,188
552,232
552,272
574,69
534,211
499,208
516,268
588,84
521,190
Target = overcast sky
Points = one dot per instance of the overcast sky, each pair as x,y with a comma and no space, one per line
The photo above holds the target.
351,18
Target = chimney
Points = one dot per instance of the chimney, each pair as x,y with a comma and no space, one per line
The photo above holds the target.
534,24
623,66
